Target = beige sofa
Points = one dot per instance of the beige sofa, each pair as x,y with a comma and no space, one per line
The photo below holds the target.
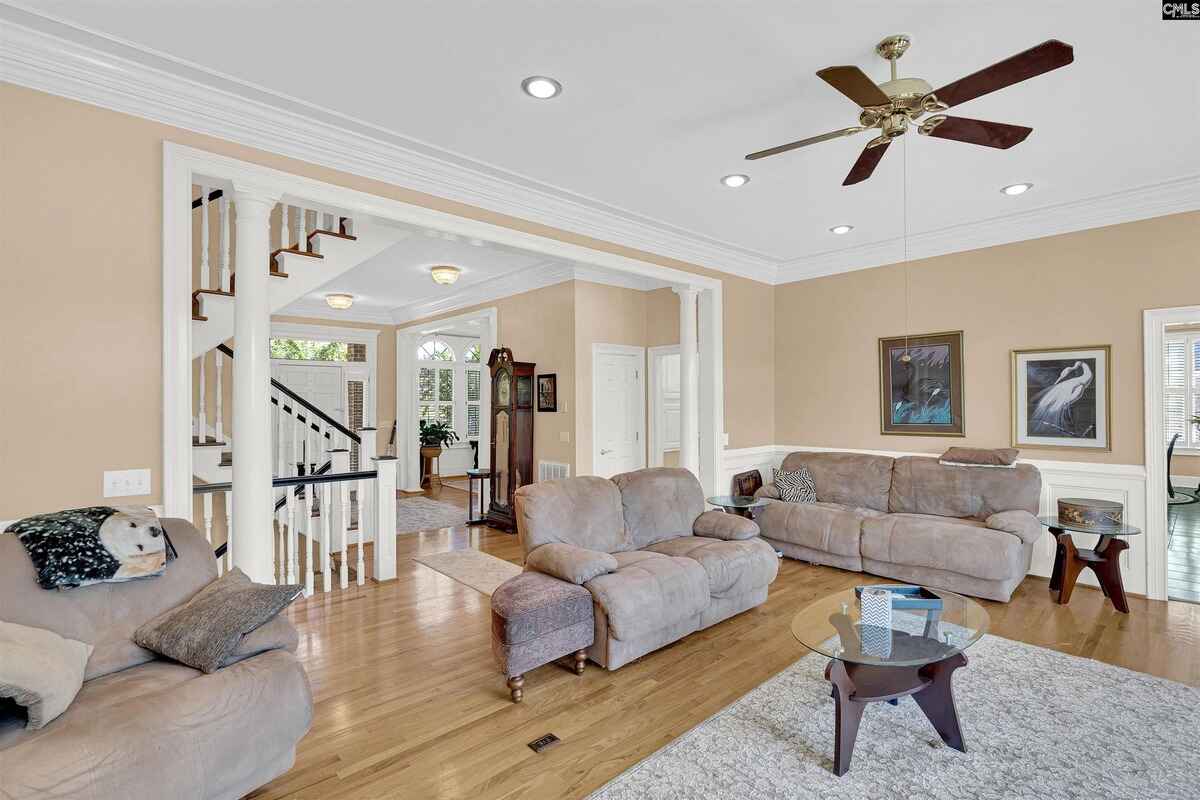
143,726
657,564
967,529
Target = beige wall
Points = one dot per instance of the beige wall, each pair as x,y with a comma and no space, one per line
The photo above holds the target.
1076,289
81,216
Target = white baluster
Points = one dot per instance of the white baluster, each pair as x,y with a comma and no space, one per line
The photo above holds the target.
359,567
284,227
202,418
204,266
223,276
208,516
300,243
343,490
292,563
280,546
279,420
220,428
228,530
326,505
309,545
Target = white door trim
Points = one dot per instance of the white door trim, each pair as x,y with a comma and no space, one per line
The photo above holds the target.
407,339
654,419
601,349
1154,323
185,166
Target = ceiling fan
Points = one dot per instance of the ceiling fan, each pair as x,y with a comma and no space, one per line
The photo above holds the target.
892,106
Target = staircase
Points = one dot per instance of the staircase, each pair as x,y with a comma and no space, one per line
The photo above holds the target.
321,507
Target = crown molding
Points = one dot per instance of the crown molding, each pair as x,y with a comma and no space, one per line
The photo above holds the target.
95,73
54,57
1142,202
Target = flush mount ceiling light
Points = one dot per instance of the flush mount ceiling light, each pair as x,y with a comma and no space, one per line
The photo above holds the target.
540,87
1016,189
841,230
339,301
735,181
444,274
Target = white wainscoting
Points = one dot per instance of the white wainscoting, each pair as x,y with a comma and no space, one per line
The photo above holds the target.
1123,483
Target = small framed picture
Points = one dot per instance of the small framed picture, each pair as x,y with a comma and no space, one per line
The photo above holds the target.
547,392
921,385
1062,397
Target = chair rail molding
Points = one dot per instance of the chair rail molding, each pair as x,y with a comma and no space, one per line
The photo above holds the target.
1124,483
71,61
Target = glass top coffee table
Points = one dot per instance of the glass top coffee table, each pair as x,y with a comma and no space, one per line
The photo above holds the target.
741,504
915,657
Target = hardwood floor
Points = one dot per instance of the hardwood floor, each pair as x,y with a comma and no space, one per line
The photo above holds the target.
1183,556
409,705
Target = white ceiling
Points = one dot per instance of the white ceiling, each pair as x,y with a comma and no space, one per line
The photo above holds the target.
661,99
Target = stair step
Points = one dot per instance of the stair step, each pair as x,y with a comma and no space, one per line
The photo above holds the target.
198,318
335,234
293,251
209,441
196,315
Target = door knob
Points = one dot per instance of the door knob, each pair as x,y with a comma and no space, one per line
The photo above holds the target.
605,452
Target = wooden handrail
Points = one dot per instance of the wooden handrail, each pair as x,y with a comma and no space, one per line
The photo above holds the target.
321,470
282,389
213,195
295,480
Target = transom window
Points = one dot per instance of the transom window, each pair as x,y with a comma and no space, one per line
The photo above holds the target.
316,350
1181,392
472,354
435,350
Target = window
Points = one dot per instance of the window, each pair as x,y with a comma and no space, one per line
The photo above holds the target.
472,354
435,385
1181,392
473,378
316,350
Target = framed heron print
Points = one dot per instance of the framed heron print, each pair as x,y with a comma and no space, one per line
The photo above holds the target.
1062,397
921,385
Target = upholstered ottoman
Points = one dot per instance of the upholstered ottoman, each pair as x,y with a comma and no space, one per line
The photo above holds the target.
537,619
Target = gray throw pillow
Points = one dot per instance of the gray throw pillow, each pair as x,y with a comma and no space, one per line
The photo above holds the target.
796,486
40,670
206,630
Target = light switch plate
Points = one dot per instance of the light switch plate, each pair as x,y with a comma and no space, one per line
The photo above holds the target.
725,439
126,483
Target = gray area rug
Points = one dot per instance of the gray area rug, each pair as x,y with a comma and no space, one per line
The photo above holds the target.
480,571
1038,724
423,514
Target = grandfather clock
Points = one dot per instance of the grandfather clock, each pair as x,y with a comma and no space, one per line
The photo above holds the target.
512,434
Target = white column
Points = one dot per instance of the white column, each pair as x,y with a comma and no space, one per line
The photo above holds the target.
253,511
689,384
407,449
367,450
385,519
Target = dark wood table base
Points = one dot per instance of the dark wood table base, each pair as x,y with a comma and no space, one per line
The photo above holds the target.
1104,560
856,685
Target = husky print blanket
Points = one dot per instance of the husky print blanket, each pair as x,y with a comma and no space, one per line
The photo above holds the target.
83,546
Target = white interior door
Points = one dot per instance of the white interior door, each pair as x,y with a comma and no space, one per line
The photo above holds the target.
618,409
322,385
664,406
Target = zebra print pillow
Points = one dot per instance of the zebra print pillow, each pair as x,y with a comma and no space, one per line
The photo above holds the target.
796,487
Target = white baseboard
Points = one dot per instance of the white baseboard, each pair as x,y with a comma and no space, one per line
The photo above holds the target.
1123,483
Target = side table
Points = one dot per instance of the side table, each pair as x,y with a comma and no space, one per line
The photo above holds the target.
1104,560
742,505
473,475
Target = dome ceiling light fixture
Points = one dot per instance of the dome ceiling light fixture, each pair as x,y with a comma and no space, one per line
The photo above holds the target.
1016,189
841,230
339,301
444,274
540,87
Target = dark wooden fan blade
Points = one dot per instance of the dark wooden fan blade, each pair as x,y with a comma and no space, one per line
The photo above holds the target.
977,131
1047,56
854,83
868,159
783,148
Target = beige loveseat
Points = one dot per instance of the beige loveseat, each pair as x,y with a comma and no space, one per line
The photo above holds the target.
967,529
657,564
144,727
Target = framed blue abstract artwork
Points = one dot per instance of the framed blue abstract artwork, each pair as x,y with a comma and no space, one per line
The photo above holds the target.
921,385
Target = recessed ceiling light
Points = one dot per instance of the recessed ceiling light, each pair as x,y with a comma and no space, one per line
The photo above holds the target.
444,274
339,301
1017,188
734,181
841,229
541,87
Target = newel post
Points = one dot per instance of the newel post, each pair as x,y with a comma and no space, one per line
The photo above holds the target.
385,518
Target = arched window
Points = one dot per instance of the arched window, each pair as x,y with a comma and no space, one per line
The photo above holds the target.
472,354
435,350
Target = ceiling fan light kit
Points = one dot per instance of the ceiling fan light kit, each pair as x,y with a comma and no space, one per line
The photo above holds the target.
896,105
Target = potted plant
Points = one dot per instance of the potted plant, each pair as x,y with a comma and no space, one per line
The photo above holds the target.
434,436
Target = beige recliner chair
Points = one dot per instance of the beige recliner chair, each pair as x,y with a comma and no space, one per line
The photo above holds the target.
658,566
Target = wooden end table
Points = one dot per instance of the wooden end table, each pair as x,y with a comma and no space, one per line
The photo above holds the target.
915,658
473,475
1104,560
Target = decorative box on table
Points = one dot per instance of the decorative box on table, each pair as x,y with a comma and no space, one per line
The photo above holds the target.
1089,513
